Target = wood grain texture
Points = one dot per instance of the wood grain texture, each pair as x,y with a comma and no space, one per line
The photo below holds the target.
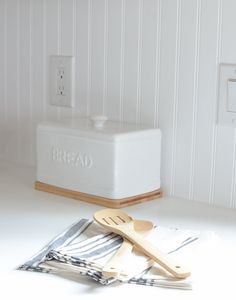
112,203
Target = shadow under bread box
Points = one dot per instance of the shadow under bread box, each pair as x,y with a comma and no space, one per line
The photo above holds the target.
92,159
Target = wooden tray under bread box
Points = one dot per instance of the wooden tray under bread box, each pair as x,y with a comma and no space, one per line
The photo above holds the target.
112,203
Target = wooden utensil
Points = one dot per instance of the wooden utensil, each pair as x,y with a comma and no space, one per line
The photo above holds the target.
119,222
114,266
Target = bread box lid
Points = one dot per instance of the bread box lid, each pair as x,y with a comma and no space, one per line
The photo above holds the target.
99,127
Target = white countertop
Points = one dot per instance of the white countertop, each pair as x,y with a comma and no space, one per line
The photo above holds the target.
29,219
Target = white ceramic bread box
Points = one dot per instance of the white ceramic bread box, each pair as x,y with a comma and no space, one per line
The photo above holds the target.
110,163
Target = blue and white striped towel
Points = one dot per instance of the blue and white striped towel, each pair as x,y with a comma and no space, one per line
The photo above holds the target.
85,247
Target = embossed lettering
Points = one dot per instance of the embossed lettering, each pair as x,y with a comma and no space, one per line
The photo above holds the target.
71,158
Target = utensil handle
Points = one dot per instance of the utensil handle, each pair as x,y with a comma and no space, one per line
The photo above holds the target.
158,256
114,266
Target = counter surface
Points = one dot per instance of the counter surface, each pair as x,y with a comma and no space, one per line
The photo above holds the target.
29,219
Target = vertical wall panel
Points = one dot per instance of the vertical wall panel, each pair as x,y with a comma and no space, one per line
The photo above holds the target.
224,164
82,63
97,56
2,76
228,49
131,60
148,62
11,77
36,40
37,71
67,30
232,203
167,82
66,38
114,59
207,99
24,82
185,98
52,39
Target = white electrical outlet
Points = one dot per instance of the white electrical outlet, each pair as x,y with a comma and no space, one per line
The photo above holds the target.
62,73
61,81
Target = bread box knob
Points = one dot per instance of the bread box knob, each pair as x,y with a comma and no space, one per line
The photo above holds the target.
98,121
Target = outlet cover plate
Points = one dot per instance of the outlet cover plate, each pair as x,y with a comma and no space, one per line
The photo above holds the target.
227,78
61,80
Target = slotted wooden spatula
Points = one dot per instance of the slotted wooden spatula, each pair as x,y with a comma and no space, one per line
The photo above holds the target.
114,266
119,222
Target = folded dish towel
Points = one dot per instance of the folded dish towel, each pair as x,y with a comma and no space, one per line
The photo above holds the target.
85,247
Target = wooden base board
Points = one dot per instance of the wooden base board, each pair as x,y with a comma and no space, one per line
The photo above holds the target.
112,203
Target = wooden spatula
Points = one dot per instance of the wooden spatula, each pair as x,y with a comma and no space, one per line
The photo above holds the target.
114,266
119,222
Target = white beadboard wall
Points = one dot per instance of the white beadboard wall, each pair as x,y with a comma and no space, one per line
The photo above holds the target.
144,61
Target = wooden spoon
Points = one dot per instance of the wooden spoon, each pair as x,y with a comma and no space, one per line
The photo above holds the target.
114,266
119,222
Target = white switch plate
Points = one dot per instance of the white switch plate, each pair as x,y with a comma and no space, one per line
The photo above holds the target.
231,95
226,104
61,83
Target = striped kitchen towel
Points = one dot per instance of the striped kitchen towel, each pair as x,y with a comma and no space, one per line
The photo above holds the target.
85,247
